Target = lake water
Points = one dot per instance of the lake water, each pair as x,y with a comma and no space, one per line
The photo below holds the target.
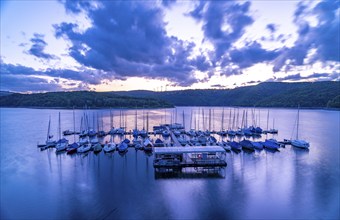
289,184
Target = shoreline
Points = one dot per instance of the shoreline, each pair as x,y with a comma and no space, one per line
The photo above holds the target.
127,108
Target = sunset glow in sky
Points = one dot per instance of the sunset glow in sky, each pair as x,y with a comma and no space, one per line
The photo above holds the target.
157,45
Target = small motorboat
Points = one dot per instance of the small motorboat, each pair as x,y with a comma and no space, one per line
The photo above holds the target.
247,145
300,144
271,145
257,145
72,148
109,147
147,145
165,133
97,148
235,145
84,148
61,145
159,143
122,147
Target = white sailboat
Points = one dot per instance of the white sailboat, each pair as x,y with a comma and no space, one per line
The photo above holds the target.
109,146
49,141
62,143
298,142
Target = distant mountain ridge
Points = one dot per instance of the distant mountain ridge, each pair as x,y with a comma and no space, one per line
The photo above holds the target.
79,99
268,94
4,93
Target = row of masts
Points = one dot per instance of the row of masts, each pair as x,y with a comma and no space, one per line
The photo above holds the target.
201,119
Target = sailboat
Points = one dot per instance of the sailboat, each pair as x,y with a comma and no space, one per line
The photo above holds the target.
109,147
298,142
49,141
74,146
147,145
62,144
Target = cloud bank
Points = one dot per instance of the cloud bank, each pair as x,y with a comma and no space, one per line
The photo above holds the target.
129,39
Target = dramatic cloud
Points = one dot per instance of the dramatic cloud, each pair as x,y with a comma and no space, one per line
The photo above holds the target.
271,27
129,39
251,54
19,83
38,47
168,3
323,37
314,76
8,71
224,22
217,86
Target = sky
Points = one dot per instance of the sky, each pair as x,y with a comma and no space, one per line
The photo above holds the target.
68,45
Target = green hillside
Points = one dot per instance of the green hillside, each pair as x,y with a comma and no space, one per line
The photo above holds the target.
79,100
268,94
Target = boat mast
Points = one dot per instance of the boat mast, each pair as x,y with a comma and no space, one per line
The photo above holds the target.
229,120
267,119
125,120
233,126
101,118
147,122
183,121
203,121
74,126
237,119
213,118
190,119
222,122
198,118
297,125
59,128
136,120
209,119
49,127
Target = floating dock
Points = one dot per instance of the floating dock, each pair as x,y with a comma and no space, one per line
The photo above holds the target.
181,157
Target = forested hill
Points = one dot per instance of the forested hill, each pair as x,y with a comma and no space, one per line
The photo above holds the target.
268,94
79,99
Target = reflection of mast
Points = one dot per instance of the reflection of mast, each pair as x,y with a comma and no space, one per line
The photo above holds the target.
74,126
136,120
190,120
213,117
230,120
198,119
203,121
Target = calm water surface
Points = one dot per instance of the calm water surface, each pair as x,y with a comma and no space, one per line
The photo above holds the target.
289,184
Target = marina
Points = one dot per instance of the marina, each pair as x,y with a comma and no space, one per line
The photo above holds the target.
174,149
292,181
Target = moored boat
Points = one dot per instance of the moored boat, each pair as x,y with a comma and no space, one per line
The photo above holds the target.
298,142
247,144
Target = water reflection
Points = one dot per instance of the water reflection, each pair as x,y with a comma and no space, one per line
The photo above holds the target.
289,184
190,173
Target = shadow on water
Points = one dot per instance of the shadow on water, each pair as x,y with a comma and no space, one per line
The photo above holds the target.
236,151
191,173
272,150
300,151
